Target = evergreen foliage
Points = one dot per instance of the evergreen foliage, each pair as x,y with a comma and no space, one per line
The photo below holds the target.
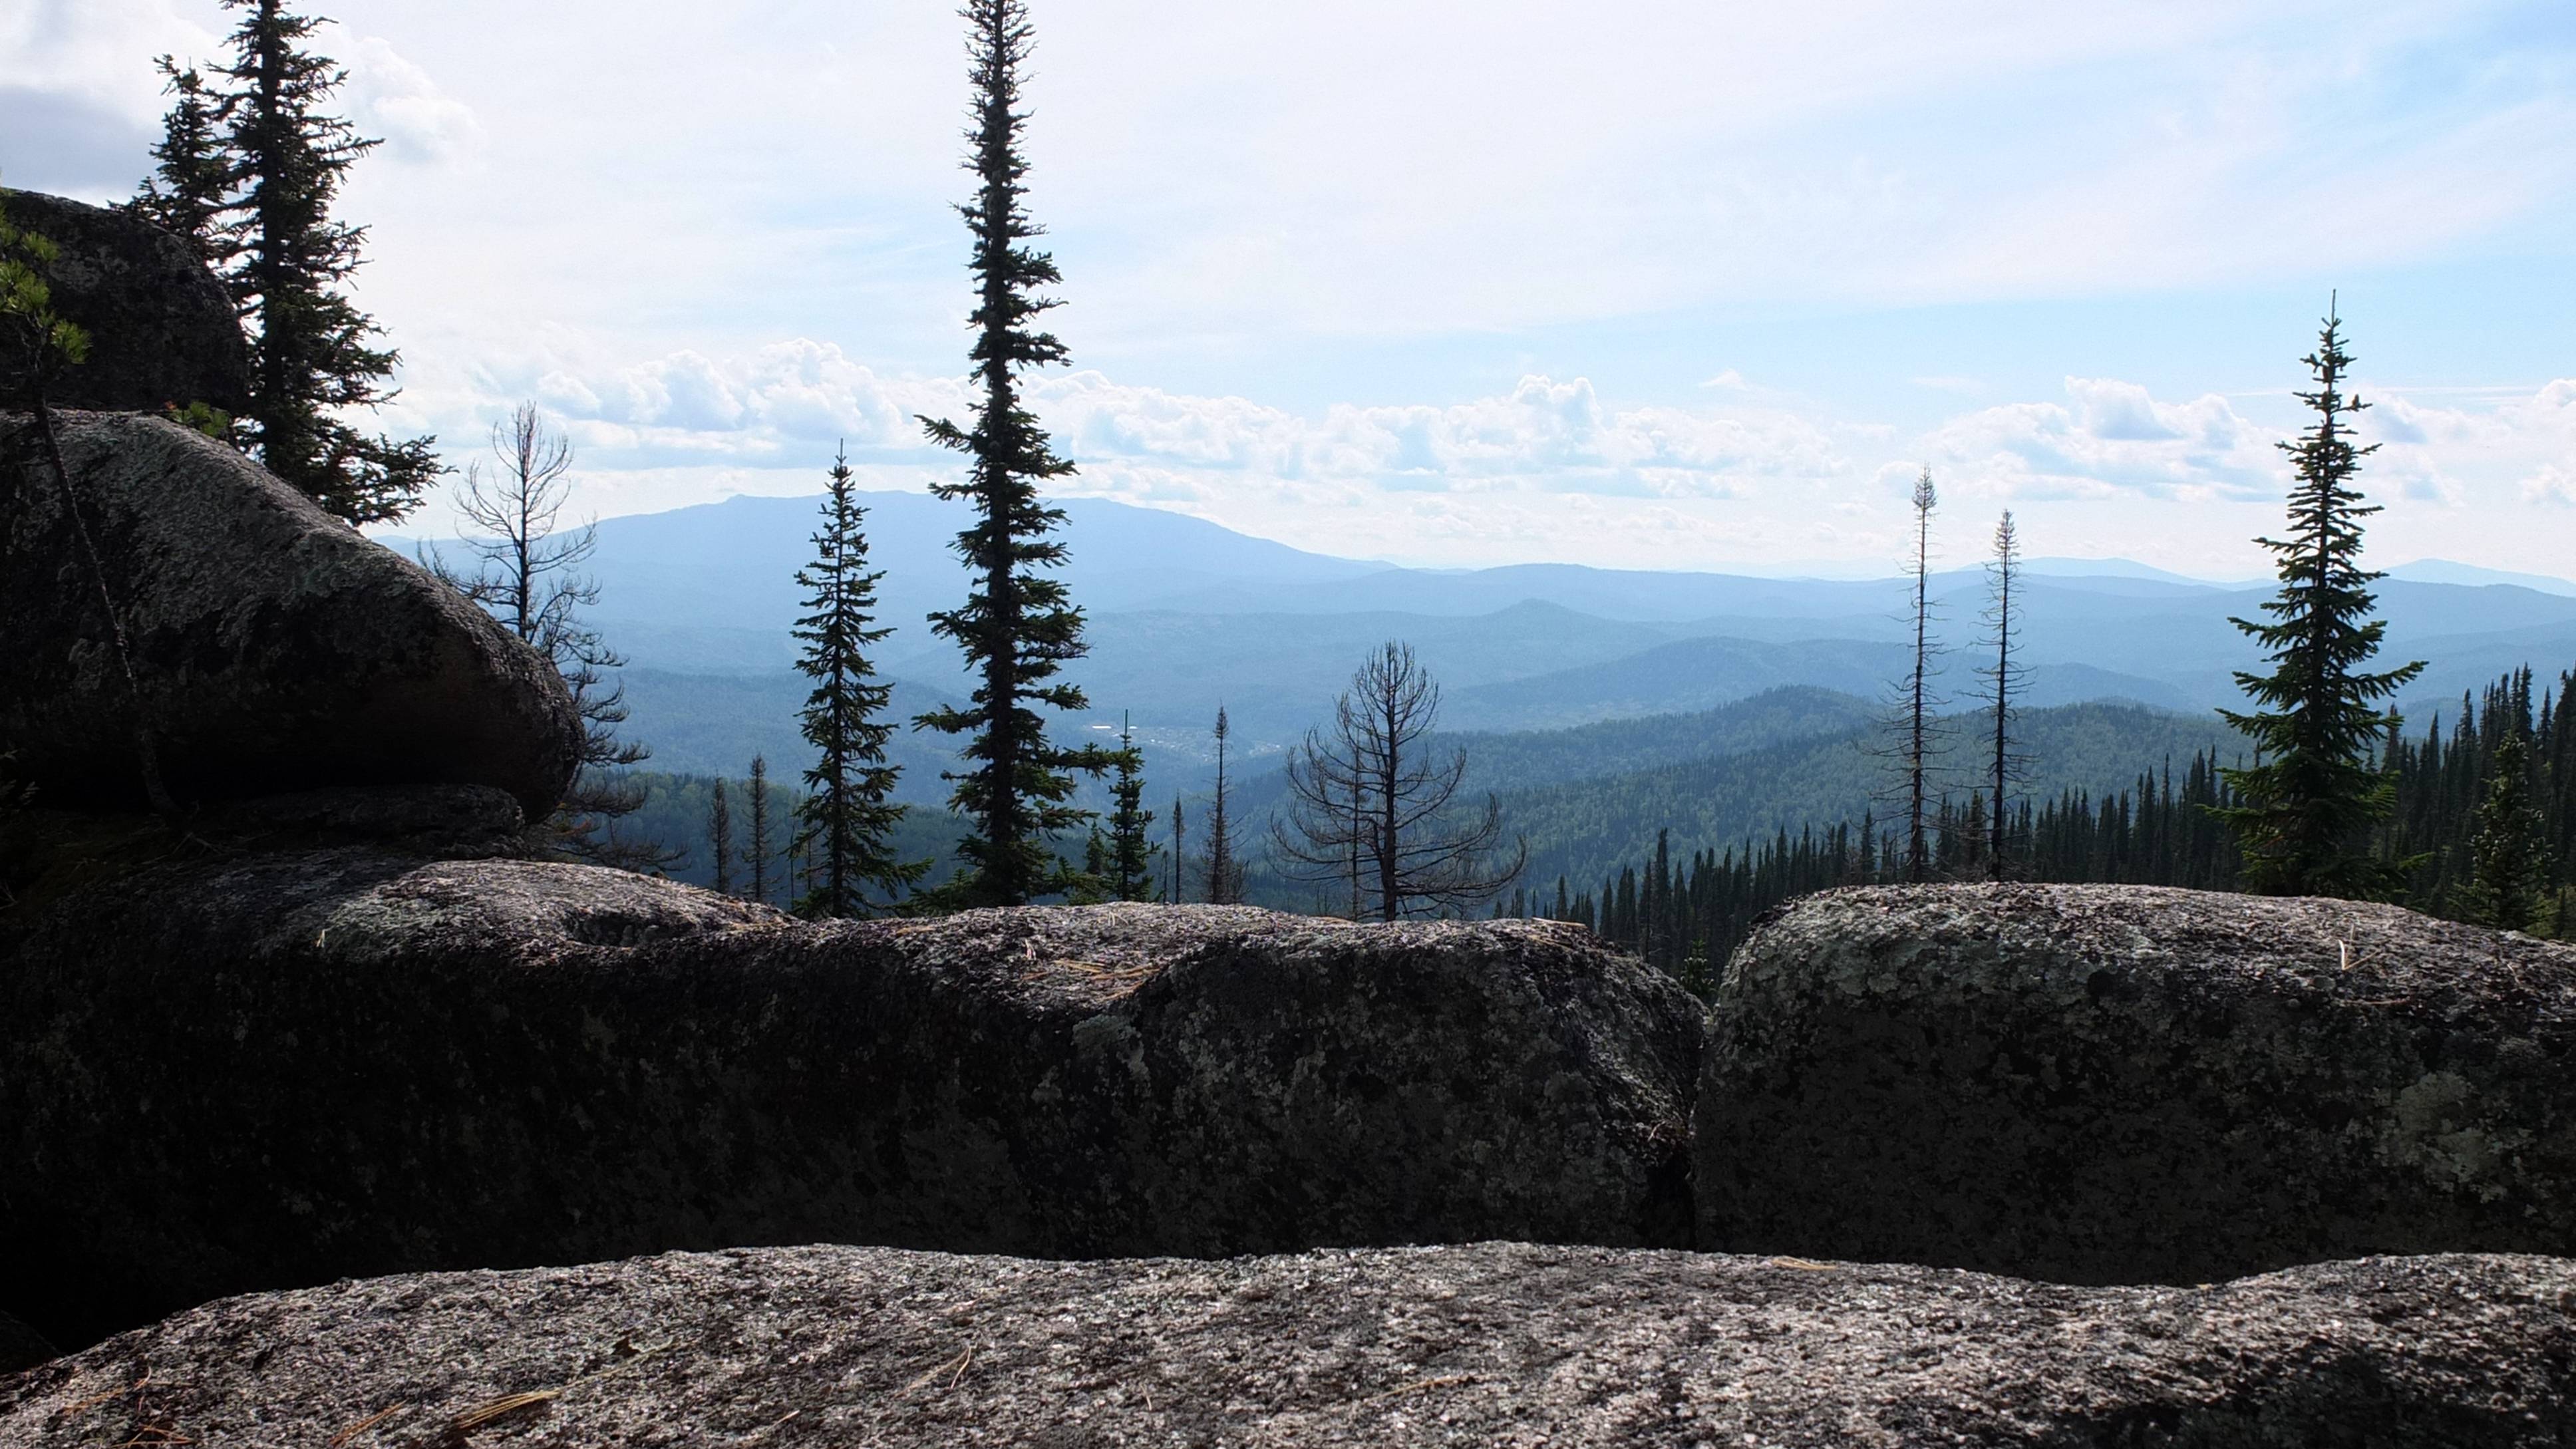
193,175
759,846
2310,802
2462,803
2509,862
1224,870
1131,869
2484,831
36,342
1017,627
1587,828
848,814
2159,831
311,350
720,839
681,806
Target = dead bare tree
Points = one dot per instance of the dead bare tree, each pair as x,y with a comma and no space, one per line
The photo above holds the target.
1372,802
527,569
2004,677
1917,742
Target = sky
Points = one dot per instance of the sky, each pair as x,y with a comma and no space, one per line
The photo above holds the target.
1696,285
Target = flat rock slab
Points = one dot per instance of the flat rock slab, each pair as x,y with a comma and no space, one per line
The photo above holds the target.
280,1070
273,649
161,329
2129,1084
1487,1344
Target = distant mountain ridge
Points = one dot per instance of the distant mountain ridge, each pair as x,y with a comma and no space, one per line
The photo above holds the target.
1185,614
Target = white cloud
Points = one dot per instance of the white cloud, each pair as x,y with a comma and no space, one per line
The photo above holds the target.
2109,438
1550,470
392,98
1543,436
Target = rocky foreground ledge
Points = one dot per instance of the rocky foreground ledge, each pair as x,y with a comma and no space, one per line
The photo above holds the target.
1486,1344
271,1071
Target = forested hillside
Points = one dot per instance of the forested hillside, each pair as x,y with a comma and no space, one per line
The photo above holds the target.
1585,830
1593,799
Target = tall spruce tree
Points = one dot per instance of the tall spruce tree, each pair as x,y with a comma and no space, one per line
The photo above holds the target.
848,816
1131,869
1224,870
720,837
311,351
759,848
2509,854
2307,809
190,189
1017,627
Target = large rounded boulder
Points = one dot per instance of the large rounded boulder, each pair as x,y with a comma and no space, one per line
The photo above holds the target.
2123,1084
267,647
161,330
283,1069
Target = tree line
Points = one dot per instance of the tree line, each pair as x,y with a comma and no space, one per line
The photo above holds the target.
1683,913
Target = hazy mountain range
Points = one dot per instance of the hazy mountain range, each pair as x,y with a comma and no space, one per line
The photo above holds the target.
1185,614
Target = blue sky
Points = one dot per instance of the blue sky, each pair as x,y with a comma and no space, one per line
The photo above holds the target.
1657,285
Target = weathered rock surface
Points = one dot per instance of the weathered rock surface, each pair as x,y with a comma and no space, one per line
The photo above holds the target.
274,648
161,329
2125,1084
1488,1344
284,1069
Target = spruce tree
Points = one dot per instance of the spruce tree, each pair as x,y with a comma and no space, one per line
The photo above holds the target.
190,189
1131,846
848,815
2509,855
311,355
1016,627
2308,808
1224,872
1180,856
720,837
757,848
